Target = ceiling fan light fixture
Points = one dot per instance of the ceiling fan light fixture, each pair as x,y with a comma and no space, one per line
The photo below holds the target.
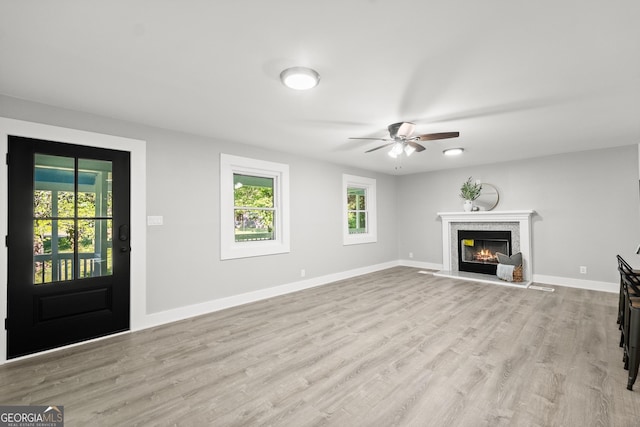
401,140
409,150
396,150
300,78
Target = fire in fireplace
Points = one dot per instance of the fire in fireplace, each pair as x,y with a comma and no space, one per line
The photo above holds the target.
477,249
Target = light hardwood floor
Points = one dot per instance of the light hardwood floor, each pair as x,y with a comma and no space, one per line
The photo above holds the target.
389,348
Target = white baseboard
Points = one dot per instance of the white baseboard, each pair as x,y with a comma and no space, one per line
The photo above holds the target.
181,313
419,264
591,285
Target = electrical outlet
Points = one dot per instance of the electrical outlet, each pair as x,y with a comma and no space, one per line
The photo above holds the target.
410,254
303,273
583,269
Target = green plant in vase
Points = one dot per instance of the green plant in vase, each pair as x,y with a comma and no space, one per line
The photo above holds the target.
469,192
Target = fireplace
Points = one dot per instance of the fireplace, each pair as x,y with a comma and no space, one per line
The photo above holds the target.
477,249
518,222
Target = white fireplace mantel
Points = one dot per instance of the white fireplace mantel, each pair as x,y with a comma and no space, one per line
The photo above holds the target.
521,217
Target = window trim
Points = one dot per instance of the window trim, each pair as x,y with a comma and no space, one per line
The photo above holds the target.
369,185
229,248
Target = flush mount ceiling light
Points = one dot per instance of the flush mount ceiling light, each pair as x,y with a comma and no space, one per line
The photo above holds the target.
453,151
300,78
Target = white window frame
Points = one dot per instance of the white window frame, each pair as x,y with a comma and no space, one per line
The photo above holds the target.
229,248
369,185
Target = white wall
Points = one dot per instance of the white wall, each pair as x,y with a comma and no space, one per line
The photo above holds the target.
586,203
183,187
588,199
183,256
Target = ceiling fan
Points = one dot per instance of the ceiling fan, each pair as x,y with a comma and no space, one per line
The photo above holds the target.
402,140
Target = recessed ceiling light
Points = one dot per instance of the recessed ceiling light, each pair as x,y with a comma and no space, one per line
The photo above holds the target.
300,78
453,151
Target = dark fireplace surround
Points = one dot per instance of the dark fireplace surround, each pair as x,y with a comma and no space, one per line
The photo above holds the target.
477,249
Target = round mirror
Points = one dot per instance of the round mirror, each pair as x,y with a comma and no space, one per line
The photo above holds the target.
488,198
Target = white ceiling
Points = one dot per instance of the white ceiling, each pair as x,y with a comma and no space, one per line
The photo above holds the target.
516,79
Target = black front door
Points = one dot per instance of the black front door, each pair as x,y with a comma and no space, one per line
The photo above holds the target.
68,244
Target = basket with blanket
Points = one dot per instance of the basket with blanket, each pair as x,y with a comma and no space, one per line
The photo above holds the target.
509,267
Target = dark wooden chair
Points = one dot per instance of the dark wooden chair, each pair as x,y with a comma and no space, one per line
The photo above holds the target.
631,322
623,265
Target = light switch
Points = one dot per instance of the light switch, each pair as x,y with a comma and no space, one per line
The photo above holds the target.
154,220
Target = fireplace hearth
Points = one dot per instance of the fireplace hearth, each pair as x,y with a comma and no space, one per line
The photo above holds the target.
478,248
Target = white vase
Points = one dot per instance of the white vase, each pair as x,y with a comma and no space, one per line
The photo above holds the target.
468,205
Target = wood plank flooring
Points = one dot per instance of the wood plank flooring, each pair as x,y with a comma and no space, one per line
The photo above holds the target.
392,348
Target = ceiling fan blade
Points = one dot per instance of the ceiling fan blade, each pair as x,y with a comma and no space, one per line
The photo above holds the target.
374,139
405,129
441,135
382,146
415,145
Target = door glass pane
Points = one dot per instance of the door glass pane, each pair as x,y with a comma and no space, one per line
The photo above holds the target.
63,247
42,251
53,224
72,218
54,262
53,186
94,247
95,226
95,197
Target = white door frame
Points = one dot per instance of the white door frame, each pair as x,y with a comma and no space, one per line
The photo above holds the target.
137,148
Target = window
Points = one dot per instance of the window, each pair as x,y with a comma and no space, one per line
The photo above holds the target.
73,218
254,207
357,210
359,207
